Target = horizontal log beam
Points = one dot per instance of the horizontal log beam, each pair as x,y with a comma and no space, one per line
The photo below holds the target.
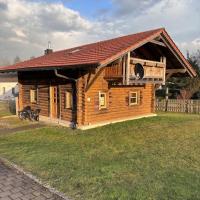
174,71
146,81
170,72
147,62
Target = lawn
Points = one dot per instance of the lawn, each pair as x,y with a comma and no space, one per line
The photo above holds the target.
152,158
4,109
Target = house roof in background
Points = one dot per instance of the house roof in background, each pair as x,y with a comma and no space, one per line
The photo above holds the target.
8,77
99,53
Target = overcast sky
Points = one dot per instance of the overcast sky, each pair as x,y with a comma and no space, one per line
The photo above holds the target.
26,26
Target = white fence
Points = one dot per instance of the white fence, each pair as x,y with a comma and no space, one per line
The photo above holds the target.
178,105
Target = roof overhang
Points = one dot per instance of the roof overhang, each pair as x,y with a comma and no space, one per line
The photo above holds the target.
167,42
48,68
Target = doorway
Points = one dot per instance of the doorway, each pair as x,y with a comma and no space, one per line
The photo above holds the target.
53,102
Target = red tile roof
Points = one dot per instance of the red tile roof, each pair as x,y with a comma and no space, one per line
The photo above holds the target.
94,53
8,77
98,53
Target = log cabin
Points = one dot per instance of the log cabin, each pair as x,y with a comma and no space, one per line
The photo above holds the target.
100,83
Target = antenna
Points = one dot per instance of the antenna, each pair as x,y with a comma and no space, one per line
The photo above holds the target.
49,44
49,49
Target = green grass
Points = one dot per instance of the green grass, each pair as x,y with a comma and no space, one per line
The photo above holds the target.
152,158
4,109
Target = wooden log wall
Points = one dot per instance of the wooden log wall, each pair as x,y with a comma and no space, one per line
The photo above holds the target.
117,101
42,82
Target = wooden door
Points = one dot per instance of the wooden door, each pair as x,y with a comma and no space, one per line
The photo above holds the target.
53,102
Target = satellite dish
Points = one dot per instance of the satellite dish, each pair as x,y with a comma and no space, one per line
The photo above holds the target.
139,71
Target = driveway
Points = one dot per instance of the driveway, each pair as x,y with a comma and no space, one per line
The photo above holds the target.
15,185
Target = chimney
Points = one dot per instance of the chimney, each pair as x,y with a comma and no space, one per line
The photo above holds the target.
49,49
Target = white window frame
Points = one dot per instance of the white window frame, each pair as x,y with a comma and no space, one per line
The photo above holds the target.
105,96
68,100
137,96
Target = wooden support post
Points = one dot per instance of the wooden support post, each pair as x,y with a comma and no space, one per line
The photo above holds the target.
17,105
128,68
124,69
163,59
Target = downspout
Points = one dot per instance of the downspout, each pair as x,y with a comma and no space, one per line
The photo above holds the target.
63,76
70,79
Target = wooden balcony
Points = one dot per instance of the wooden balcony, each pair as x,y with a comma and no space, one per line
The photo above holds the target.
154,72
128,71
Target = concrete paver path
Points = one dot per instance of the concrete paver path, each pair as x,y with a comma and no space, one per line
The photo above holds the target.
15,185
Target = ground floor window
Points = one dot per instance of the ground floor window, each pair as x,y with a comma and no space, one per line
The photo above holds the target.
133,98
102,100
33,95
68,100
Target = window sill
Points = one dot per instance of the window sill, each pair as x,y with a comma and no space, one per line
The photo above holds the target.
103,110
134,104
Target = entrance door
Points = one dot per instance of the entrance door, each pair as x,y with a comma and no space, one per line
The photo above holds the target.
53,102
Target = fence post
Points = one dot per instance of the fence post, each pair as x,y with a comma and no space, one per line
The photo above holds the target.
186,106
166,99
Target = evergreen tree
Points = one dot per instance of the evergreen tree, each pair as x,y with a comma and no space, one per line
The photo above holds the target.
16,60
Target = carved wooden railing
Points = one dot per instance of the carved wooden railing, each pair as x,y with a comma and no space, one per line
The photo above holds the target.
152,71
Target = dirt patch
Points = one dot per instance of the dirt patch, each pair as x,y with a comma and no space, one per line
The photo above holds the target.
4,131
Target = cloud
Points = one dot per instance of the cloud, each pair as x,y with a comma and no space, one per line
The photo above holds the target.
27,26
132,7
180,18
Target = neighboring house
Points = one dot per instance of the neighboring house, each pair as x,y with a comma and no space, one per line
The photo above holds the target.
8,82
102,82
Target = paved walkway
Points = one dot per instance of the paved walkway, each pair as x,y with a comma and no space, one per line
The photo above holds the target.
14,185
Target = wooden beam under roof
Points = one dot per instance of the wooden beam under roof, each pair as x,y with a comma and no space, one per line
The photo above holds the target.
175,54
158,43
176,71
170,72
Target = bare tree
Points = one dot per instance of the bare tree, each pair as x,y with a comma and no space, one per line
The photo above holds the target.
192,85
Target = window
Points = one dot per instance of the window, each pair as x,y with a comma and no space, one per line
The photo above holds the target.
3,90
133,98
102,100
13,91
33,96
68,100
